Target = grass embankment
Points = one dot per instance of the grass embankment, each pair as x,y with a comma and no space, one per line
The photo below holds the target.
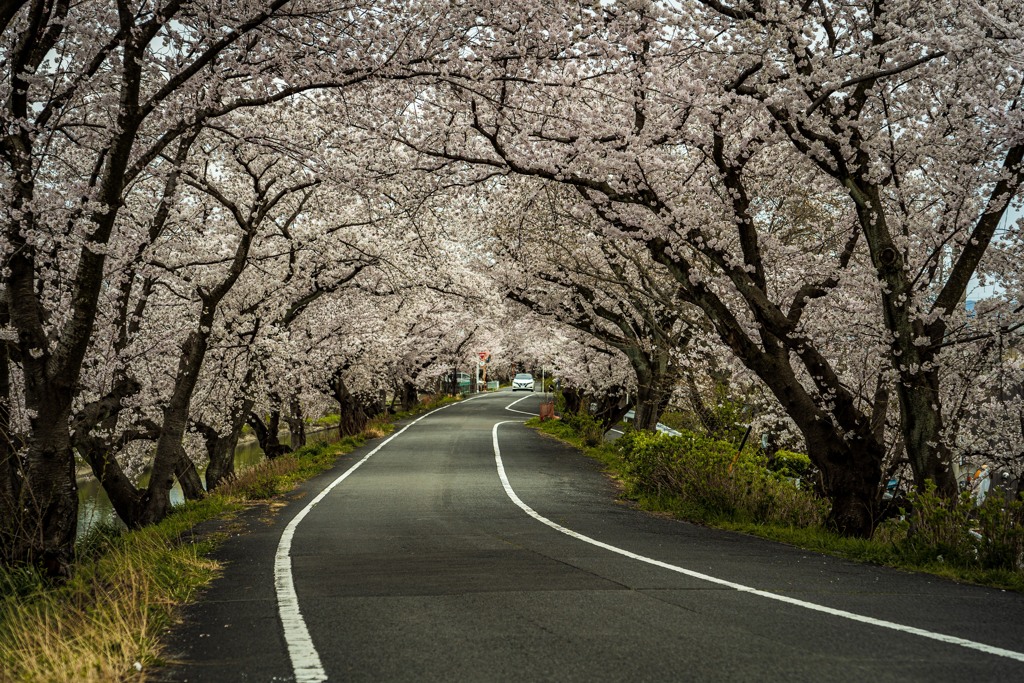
702,480
105,622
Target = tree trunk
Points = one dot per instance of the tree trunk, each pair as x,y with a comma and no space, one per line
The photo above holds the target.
268,434
450,386
169,452
922,429
221,450
38,491
850,465
645,412
276,448
10,475
879,408
851,472
221,447
612,407
409,396
850,479
187,475
166,464
124,496
704,414
296,424
573,399
221,468
652,399
654,380
374,406
44,531
41,529
352,417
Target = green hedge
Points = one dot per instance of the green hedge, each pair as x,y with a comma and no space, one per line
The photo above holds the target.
707,480
790,464
586,427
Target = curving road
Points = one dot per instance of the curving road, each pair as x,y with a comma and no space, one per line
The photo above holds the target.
469,548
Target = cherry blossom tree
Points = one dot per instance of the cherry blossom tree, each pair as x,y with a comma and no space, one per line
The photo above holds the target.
234,191
98,95
592,377
556,266
682,125
215,212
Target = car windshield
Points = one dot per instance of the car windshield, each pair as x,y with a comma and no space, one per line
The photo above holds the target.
523,376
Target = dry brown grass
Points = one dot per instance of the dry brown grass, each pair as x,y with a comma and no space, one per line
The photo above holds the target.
104,624
378,427
259,481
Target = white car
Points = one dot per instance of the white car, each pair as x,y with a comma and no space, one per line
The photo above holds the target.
524,381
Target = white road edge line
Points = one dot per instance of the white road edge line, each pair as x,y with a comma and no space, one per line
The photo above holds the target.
953,640
509,406
304,657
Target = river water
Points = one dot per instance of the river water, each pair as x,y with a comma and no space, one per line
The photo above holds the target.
94,507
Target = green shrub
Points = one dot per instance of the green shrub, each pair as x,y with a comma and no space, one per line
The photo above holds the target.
271,477
709,481
938,529
954,532
1001,527
559,399
689,477
378,426
18,583
725,419
258,482
790,464
426,403
586,427
677,420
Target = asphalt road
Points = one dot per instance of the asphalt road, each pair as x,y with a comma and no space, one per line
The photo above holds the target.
423,565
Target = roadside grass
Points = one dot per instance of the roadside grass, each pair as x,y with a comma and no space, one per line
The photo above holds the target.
328,420
105,622
892,545
430,402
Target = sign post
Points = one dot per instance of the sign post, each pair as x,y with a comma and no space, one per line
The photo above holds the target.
485,357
